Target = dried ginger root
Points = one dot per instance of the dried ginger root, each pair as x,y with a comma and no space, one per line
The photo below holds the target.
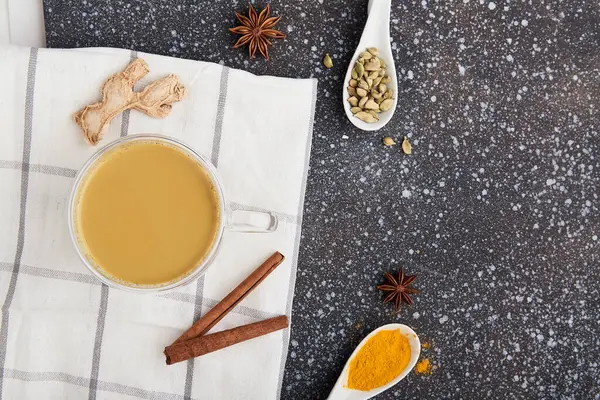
117,95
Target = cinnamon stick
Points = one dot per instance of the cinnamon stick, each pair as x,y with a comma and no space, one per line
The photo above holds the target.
201,345
210,319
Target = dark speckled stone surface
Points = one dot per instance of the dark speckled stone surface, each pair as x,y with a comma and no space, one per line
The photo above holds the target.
497,210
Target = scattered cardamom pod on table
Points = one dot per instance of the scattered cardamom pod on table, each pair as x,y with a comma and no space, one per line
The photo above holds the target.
406,146
327,62
388,141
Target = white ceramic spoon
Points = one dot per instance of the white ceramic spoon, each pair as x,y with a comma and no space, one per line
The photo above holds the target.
341,392
375,34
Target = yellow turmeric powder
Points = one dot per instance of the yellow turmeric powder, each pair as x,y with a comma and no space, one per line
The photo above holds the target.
379,361
423,367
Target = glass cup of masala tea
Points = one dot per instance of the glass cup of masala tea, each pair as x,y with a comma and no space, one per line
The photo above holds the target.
147,214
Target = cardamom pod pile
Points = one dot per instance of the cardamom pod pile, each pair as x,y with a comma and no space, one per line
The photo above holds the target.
369,94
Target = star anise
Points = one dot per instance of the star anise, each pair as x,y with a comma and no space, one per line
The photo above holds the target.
256,30
398,290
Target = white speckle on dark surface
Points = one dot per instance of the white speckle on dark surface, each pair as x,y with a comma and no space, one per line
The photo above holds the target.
497,209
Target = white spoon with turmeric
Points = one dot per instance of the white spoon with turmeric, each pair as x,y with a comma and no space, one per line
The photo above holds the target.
380,361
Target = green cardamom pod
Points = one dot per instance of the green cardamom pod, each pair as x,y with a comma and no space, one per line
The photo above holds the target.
327,62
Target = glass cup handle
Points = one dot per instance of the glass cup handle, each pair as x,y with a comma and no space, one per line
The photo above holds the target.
252,221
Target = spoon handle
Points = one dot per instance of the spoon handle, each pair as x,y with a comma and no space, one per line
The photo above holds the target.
379,14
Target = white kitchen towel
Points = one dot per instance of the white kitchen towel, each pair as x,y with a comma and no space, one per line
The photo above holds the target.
63,335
